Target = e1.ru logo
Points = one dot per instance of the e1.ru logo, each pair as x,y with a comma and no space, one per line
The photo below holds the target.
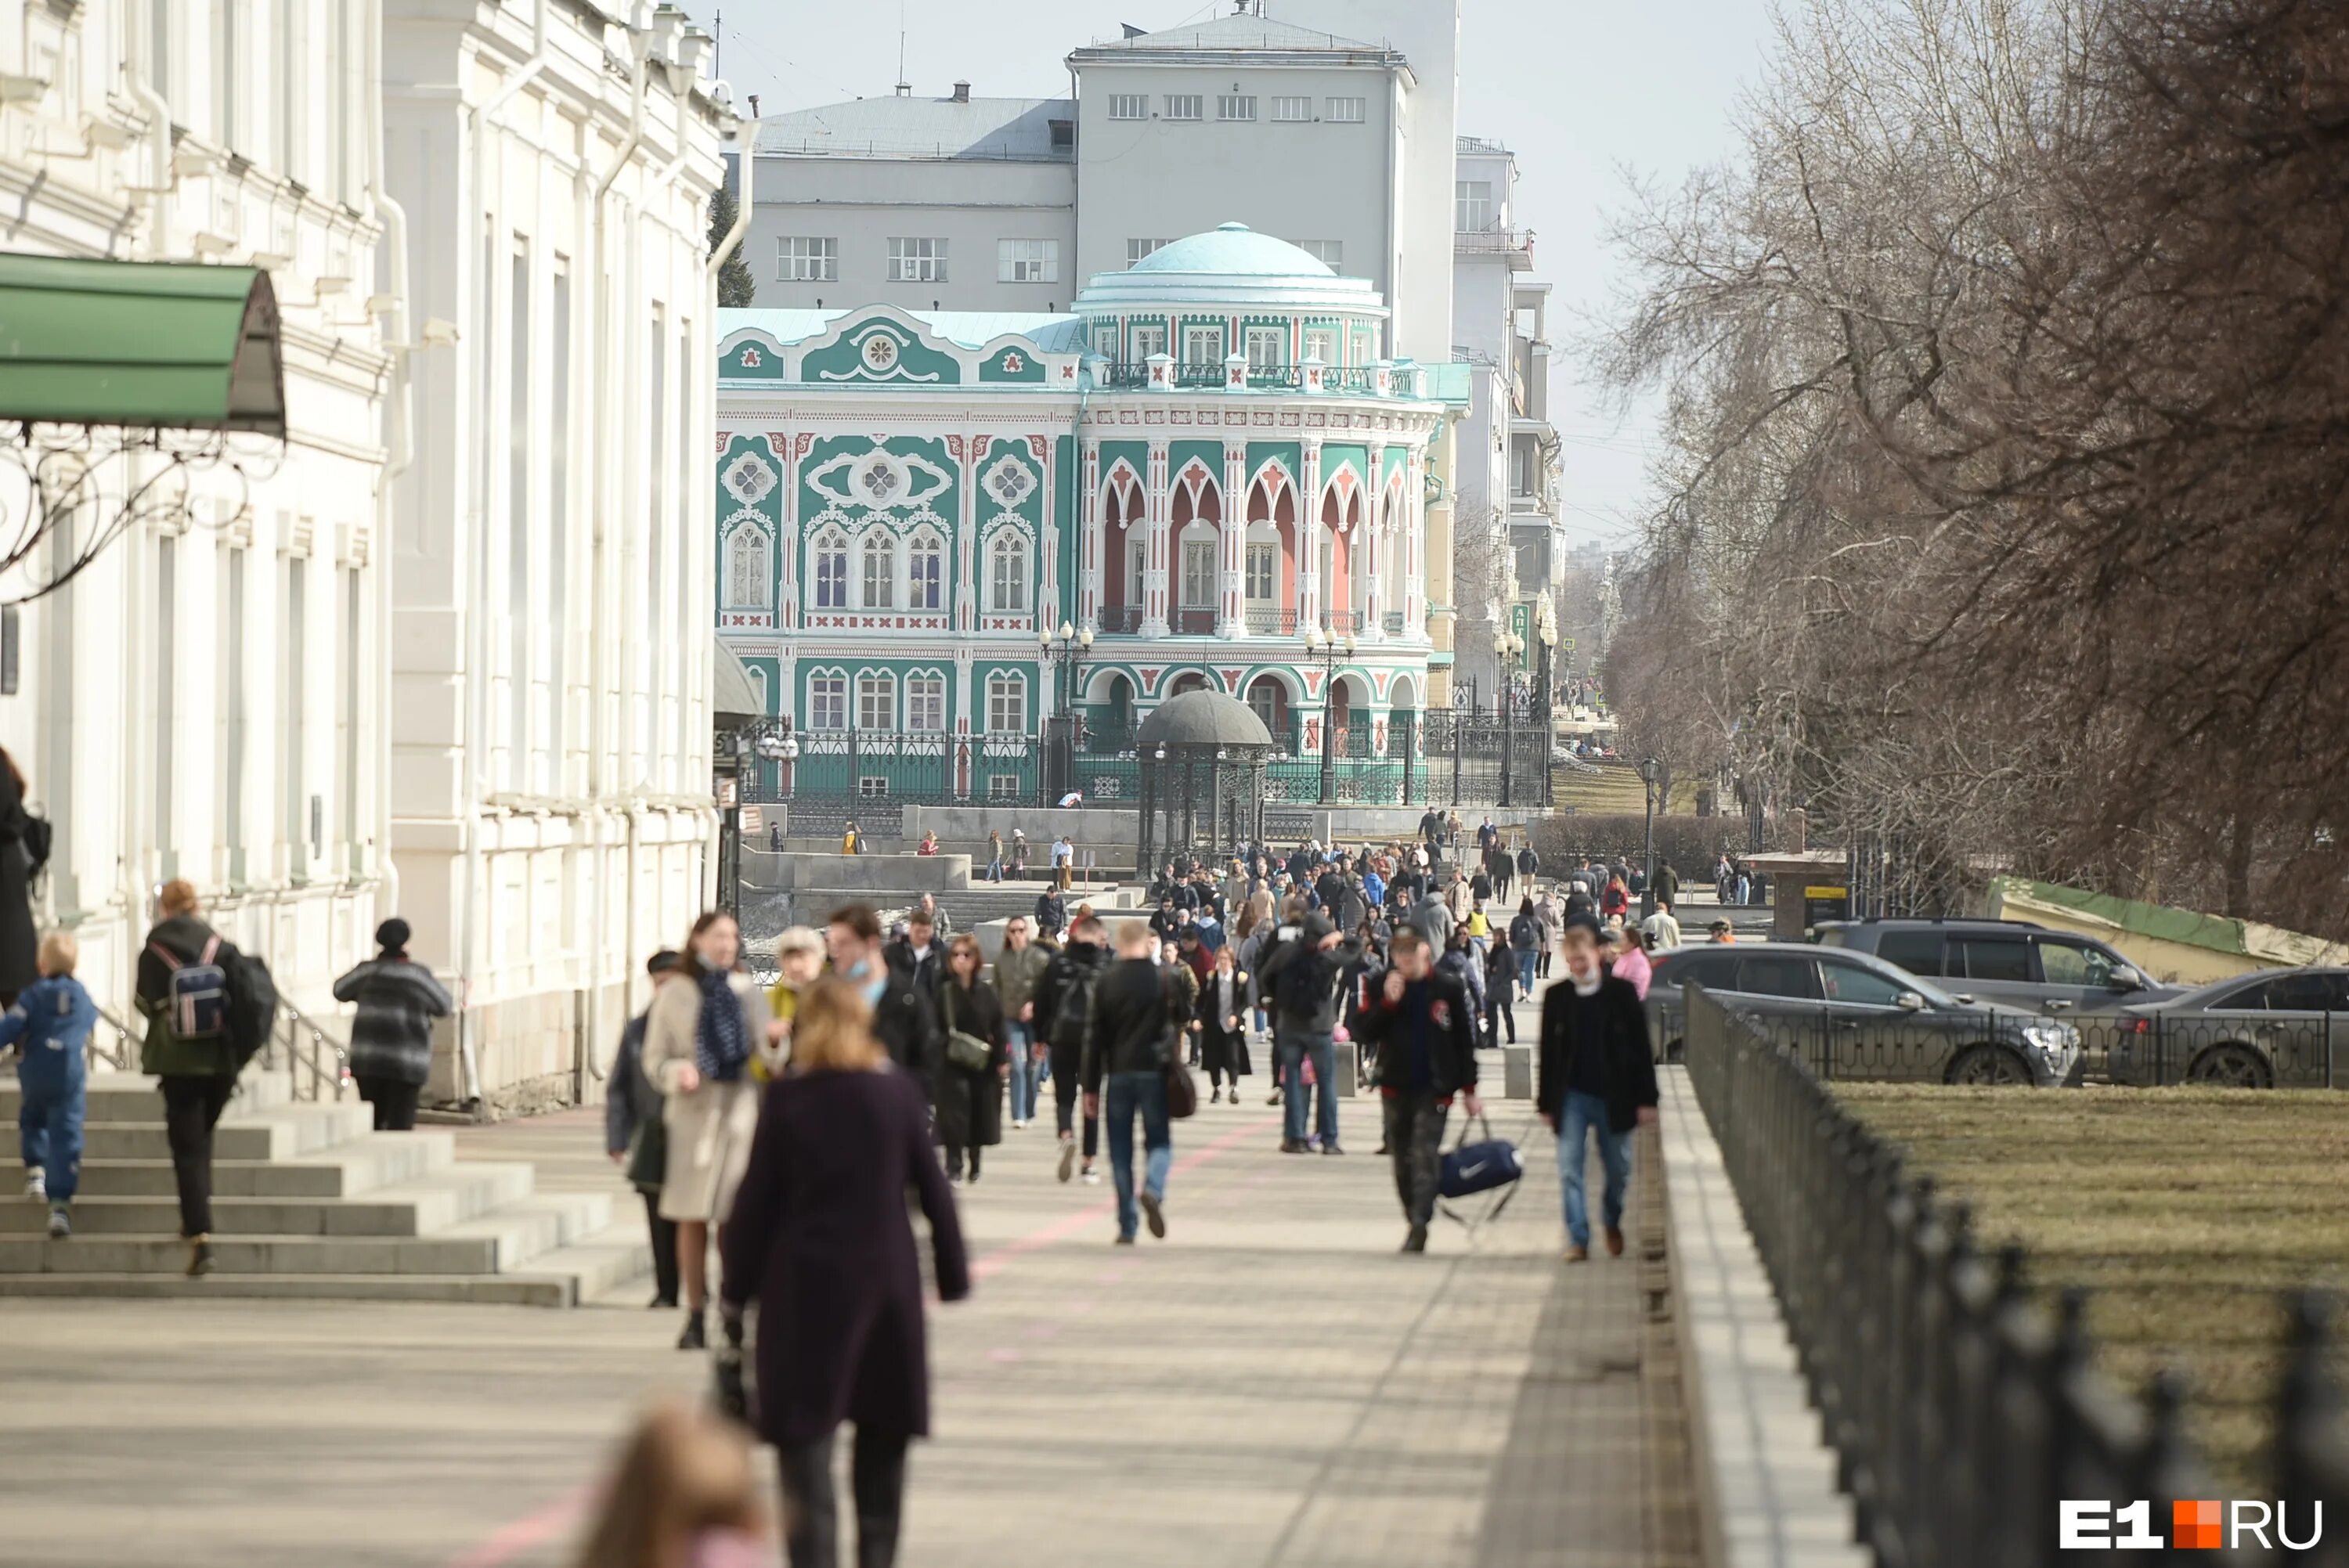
2202,1524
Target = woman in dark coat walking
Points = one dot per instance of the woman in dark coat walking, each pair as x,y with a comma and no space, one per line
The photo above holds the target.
391,1038
1222,1018
18,941
822,1241
971,1099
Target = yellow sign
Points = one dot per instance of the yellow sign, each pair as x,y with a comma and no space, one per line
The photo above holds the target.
1826,891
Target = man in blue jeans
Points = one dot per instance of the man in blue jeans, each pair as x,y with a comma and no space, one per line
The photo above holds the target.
1127,1047
1597,1077
1017,969
1301,975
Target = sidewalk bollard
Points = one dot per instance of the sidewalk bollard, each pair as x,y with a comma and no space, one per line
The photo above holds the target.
1517,1072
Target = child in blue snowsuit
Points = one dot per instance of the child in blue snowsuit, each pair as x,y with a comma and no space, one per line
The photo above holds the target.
48,1026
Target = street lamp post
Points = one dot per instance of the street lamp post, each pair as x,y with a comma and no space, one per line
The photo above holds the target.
1331,652
771,740
1648,889
1065,648
1505,649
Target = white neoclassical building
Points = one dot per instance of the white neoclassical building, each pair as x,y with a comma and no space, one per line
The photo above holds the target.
203,698
550,552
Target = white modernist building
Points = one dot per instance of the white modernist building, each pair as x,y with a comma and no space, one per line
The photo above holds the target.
204,699
551,655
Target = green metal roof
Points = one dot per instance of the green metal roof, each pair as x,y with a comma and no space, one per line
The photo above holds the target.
147,345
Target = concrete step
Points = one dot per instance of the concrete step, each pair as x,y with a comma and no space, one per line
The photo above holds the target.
362,1164
423,1207
134,1099
280,1133
608,1268
469,1290
495,1243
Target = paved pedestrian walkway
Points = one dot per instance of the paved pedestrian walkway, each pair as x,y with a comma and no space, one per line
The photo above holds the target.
1273,1384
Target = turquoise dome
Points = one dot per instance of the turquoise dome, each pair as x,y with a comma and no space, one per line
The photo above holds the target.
1235,250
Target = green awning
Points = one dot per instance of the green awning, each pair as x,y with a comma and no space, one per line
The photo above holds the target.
147,345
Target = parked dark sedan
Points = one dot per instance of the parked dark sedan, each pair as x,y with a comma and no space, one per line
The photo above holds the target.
2278,1026
1853,1016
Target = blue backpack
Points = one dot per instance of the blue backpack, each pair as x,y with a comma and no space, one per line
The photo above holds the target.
196,996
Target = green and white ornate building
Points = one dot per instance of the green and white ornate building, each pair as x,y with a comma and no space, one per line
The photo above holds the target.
1207,462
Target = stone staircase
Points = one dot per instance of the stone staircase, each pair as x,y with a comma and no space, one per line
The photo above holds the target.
309,1201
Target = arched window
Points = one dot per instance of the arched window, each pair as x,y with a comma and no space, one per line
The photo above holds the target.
880,572
925,572
1269,701
1007,705
925,703
831,571
876,700
1006,571
747,575
828,700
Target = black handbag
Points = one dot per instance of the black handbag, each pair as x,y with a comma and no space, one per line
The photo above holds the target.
1182,1088
649,1155
964,1050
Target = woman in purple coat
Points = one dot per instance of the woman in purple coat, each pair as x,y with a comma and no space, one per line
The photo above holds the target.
819,1239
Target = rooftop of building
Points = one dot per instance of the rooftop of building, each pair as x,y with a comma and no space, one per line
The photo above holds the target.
1231,264
1244,34
907,126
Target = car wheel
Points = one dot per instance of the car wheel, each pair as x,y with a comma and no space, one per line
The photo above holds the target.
1993,1065
2228,1067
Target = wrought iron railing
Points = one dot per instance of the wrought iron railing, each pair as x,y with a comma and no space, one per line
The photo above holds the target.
1194,622
1265,622
1122,619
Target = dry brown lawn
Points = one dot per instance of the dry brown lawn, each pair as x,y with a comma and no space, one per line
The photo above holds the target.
2186,1213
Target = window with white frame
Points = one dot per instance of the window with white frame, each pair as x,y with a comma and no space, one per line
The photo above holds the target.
1347,111
1203,344
828,701
925,572
1263,571
1137,249
876,700
1289,111
880,573
1321,344
1027,260
1234,107
1006,573
1007,705
1006,786
926,704
1186,106
1149,340
1105,341
1129,105
806,259
1330,254
831,571
746,569
1265,344
873,786
1472,205
1199,584
917,260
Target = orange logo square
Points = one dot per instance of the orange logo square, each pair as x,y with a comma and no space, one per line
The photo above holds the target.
2194,1526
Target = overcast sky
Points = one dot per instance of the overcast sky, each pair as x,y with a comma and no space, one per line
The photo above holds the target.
1580,91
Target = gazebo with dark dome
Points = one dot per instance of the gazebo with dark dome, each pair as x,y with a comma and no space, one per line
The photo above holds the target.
1203,760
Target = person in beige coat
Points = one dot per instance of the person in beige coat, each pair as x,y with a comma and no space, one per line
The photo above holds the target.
701,1037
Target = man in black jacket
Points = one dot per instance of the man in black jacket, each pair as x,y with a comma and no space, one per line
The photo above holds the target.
1425,1031
1051,915
901,1019
1302,977
1126,1051
1597,1077
1064,1002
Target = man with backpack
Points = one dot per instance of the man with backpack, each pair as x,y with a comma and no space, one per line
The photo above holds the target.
1303,972
1419,1023
1064,1010
196,991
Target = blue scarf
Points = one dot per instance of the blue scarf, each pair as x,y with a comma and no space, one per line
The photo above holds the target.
720,1046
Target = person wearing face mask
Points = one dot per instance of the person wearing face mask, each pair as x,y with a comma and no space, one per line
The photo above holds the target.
903,1020
701,1035
1597,1078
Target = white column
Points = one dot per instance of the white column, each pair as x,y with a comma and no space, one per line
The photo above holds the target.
1160,504
965,602
1373,546
1232,620
1090,545
1308,534
1045,592
1414,544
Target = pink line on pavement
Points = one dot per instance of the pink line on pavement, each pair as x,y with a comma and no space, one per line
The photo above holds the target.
528,1532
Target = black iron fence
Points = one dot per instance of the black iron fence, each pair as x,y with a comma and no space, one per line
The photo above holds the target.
1961,1418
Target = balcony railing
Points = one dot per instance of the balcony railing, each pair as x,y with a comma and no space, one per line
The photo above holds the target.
1393,622
1265,622
1491,241
1194,622
1122,619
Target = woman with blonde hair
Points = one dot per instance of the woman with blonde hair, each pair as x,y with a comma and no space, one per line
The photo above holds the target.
702,1036
685,1495
819,1239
